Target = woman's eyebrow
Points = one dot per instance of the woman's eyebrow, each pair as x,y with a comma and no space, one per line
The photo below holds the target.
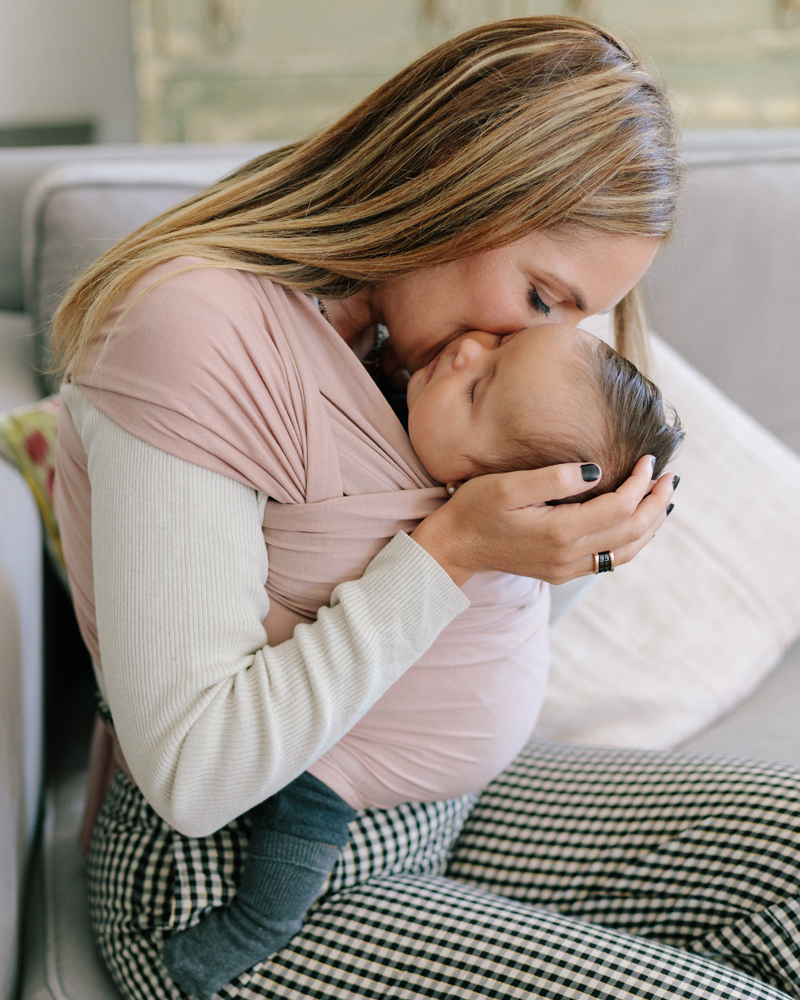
577,297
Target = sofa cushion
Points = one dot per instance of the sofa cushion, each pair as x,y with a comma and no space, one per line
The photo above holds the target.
28,442
18,382
722,292
675,639
60,961
763,726
20,703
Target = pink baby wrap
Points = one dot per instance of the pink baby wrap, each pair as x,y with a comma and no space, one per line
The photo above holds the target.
231,372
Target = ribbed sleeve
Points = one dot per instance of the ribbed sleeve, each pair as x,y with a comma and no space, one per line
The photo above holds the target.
212,720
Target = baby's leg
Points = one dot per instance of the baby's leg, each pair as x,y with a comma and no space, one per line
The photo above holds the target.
297,837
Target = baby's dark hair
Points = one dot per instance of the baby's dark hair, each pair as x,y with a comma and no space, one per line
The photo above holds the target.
634,421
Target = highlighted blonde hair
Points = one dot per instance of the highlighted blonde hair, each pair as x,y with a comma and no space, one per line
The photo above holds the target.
512,127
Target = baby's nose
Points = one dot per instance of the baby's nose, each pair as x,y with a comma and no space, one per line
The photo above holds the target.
472,345
468,352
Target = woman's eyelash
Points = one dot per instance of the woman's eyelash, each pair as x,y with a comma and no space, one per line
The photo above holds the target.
537,303
471,389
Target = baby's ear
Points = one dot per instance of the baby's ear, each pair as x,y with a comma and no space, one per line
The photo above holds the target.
453,485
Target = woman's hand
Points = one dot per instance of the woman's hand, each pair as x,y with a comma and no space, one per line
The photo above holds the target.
502,522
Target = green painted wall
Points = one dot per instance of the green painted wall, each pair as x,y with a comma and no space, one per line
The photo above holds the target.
235,70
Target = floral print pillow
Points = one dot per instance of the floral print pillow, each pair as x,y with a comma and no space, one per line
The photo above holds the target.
28,442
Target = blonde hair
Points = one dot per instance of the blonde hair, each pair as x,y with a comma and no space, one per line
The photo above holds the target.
511,127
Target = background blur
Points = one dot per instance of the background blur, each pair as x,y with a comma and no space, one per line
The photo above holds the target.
240,70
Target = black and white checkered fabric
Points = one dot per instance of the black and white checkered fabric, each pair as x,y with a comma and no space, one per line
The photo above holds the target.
579,873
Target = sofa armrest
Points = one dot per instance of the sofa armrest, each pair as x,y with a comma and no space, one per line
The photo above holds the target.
20,704
60,959
20,168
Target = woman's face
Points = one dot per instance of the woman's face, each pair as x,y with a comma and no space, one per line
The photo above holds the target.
551,276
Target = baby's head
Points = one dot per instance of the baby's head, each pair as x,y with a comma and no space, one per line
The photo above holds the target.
541,397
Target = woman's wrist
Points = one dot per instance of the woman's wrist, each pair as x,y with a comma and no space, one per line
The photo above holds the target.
440,540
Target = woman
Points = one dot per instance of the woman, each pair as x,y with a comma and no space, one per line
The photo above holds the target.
521,173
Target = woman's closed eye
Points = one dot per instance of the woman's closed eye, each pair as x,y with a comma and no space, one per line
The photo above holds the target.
538,304
471,388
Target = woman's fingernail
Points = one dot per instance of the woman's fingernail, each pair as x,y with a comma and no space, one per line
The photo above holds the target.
652,461
675,481
590,472
670,509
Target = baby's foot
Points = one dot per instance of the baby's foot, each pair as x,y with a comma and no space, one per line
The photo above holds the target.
282,878
227,942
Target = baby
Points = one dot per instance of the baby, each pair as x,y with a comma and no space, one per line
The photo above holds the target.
485,404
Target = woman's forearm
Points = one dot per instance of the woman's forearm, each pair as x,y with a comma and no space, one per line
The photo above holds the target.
211,719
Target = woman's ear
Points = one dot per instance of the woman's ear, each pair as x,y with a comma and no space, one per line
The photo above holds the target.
453,485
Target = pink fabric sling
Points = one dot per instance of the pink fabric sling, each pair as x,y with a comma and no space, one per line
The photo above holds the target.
231,372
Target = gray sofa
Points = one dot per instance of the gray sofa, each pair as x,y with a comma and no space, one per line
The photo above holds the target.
723,293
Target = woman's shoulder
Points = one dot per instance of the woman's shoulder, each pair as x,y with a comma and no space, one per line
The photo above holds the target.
192,278
194,274
198,294
194,299
189,361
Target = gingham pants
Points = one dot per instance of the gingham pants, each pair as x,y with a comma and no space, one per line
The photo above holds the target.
578,873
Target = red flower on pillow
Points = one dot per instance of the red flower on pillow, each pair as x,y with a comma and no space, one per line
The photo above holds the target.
37,447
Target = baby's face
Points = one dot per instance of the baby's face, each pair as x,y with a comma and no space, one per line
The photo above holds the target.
483,390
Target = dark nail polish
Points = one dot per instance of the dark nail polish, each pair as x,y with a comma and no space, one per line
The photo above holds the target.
590,472
675,481
670,509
